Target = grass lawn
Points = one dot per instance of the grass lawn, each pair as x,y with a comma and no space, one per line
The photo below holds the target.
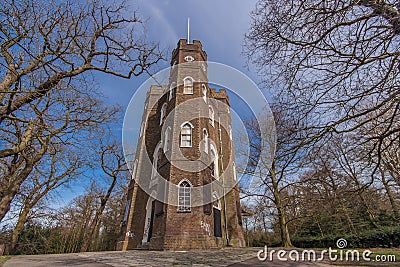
3,259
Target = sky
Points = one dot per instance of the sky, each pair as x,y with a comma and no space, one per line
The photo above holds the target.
219,24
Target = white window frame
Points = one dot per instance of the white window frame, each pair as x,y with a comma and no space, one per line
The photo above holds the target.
234,171
134,169
215,162
211,114
163,113
188,85
205,137
190,134
141,129
184,196
154,169
189,58
167,139
216,200
171,90
204,91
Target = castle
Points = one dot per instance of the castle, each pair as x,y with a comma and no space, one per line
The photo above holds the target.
184,193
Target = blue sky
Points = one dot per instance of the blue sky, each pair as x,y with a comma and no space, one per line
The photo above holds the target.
219,24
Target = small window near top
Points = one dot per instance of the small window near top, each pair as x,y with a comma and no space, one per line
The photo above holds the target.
189,58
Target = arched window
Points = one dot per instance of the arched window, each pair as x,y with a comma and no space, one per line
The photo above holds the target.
156,158
171,90
186,135
204,90
211,114
214,163
134,169
126,213
184,200
167,139
141,129
205,138
230,132
163,113
216,201
234,172
188,85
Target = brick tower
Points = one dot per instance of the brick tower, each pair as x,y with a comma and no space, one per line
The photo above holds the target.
186,136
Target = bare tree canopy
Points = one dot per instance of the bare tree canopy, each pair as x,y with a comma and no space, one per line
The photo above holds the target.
333,66
47,97
334,61
43,43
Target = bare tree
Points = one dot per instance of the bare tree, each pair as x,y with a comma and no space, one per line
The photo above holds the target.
275,155
47,50
60,119
44,43
335,62
61,167
114,166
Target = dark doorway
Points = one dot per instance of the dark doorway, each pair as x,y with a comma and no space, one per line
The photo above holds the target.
151,221
217,223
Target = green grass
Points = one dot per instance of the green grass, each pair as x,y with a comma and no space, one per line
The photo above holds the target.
3,259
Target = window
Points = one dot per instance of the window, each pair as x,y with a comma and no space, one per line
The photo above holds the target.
216,202
230,132
212,167
189,58
171,90
214,163
184,196
127,205
186,135
188,85
211,115
167,139
141,129
163,113
205,138
156,158
204,90
134,169
234,172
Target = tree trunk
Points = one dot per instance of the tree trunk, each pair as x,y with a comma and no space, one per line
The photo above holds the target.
389,193
18,227
88,239
16,179
285,236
